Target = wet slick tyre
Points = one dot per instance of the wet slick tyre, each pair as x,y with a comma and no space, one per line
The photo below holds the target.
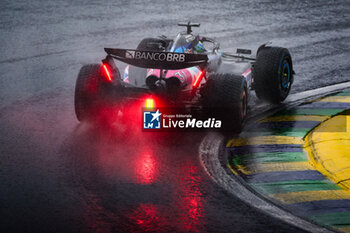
137,76
273,74
87,96
225,98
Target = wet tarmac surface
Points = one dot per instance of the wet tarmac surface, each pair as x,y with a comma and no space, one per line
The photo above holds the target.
58,175
82,178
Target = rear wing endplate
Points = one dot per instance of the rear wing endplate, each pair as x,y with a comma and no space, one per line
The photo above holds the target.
157,60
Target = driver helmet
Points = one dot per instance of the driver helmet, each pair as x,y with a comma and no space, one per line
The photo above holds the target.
199,48
191,44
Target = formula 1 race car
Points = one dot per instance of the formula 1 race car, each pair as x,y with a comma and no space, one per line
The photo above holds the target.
188,71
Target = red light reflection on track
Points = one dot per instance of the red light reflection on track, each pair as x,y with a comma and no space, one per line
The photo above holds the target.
145,168
93,214
147,217
191,199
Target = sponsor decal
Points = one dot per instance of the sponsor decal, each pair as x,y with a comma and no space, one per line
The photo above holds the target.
130,54
155,56
181,75
156,120
126,74
248,75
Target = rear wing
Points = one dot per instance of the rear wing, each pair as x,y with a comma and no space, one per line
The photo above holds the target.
157,60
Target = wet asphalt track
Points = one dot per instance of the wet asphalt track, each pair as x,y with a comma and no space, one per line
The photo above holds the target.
57,175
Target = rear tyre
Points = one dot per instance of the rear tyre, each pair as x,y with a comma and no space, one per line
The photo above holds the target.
226,97
87,98
273,74
137,76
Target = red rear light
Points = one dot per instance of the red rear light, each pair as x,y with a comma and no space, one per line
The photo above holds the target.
149,103
198,79
107,73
